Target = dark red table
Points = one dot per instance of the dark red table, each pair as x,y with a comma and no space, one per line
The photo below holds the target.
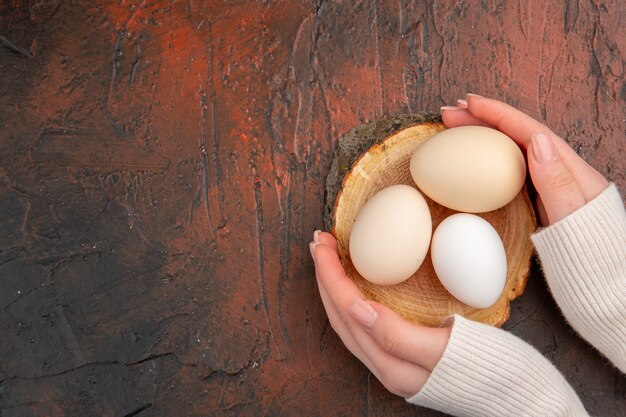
161,173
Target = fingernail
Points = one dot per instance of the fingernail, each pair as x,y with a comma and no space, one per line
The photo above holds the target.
363,313
543,148
312,246
450,108
473,95
461,104
316,236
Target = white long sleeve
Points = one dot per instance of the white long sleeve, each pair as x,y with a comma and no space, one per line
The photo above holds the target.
584,260
487,371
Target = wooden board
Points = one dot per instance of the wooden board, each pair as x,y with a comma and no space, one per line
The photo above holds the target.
162,169
421,298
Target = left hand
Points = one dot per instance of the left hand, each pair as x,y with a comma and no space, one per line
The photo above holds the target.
399,353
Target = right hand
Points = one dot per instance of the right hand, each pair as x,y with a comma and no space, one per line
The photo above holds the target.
563,180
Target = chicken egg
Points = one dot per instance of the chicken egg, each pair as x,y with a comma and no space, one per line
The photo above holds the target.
469,259
473,169
391,235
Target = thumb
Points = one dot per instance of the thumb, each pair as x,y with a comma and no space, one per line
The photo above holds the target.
559,191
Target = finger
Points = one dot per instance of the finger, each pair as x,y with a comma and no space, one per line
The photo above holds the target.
555,184
590,181
458,116
335,319
337,322
397,375
461,104
325,238
421,345
520,127
332,276
510,121
343,331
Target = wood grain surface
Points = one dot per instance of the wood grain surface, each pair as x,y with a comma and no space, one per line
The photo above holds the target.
162,169
421,298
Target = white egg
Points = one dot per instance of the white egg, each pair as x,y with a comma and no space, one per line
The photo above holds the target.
469,259
390,236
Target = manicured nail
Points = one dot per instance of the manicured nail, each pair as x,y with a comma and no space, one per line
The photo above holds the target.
461,104
473,95
312,246
450,108
363,313
316,236
543,148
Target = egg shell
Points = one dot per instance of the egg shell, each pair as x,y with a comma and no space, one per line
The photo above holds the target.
472,169
469,259
391,235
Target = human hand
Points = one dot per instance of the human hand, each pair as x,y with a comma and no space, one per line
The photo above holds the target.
400,354
563,180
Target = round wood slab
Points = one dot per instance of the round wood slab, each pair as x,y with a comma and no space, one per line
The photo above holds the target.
377,155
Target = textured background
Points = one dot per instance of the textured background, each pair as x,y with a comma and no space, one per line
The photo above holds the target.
161,174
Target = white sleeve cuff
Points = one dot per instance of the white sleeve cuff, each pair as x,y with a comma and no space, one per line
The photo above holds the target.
486,371
584,260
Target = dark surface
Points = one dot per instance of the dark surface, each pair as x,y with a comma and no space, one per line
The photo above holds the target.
162,169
